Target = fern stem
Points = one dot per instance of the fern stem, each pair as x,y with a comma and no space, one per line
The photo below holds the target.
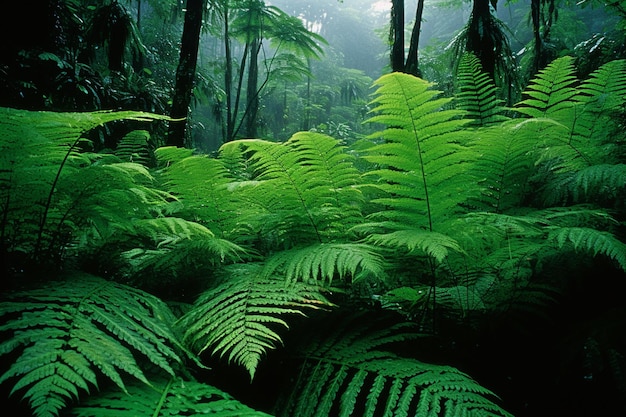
159,406
44,215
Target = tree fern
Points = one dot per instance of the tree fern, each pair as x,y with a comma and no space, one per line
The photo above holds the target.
239,318
476,93
68,335
163,398
349,372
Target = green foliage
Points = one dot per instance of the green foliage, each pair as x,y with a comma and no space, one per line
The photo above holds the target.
68,334
303,190
238,318
347,370
422,156
476,93
173,397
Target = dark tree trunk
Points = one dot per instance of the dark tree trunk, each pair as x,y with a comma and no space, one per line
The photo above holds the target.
397,35
186,72
479,38
252,107
412,60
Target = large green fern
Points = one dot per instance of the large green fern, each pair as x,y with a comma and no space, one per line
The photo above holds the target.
422,161
304,189
68,335
351,371
240,317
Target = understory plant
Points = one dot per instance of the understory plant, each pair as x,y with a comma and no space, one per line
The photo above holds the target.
134,278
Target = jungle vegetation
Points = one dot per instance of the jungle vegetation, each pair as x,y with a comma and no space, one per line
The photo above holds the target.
439,234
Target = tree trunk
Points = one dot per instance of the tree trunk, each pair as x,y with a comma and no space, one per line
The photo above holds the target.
479,38
252,90
397,35
412,60
186,72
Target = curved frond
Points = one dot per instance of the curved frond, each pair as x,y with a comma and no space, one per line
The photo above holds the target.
239,319
322,263
422,157
349,372
67,335
551,92
592,241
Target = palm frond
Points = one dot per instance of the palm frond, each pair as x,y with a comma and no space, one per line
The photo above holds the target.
238,319
67,335
173,397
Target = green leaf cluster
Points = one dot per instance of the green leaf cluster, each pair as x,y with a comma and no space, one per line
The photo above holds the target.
452,210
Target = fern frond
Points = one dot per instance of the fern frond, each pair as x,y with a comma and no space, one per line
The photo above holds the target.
605,89
176,397
305,187
324,262
134,147
239,318
477,94
592,241
436,245
201,184
552,91
66,335
595,183
506,163
350,373
423,160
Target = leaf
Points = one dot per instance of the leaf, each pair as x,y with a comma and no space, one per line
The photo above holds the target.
239,318
66,336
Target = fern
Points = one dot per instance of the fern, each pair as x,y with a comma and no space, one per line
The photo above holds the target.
592,241
583,112
347,373
322,263
68,334
422,163
305,188
51,190
173,397
134,147
552,92
476,93
239,317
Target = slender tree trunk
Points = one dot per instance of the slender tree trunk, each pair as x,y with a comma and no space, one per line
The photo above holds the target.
252,90
186,72
396,35
412,60
535,13
228,79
